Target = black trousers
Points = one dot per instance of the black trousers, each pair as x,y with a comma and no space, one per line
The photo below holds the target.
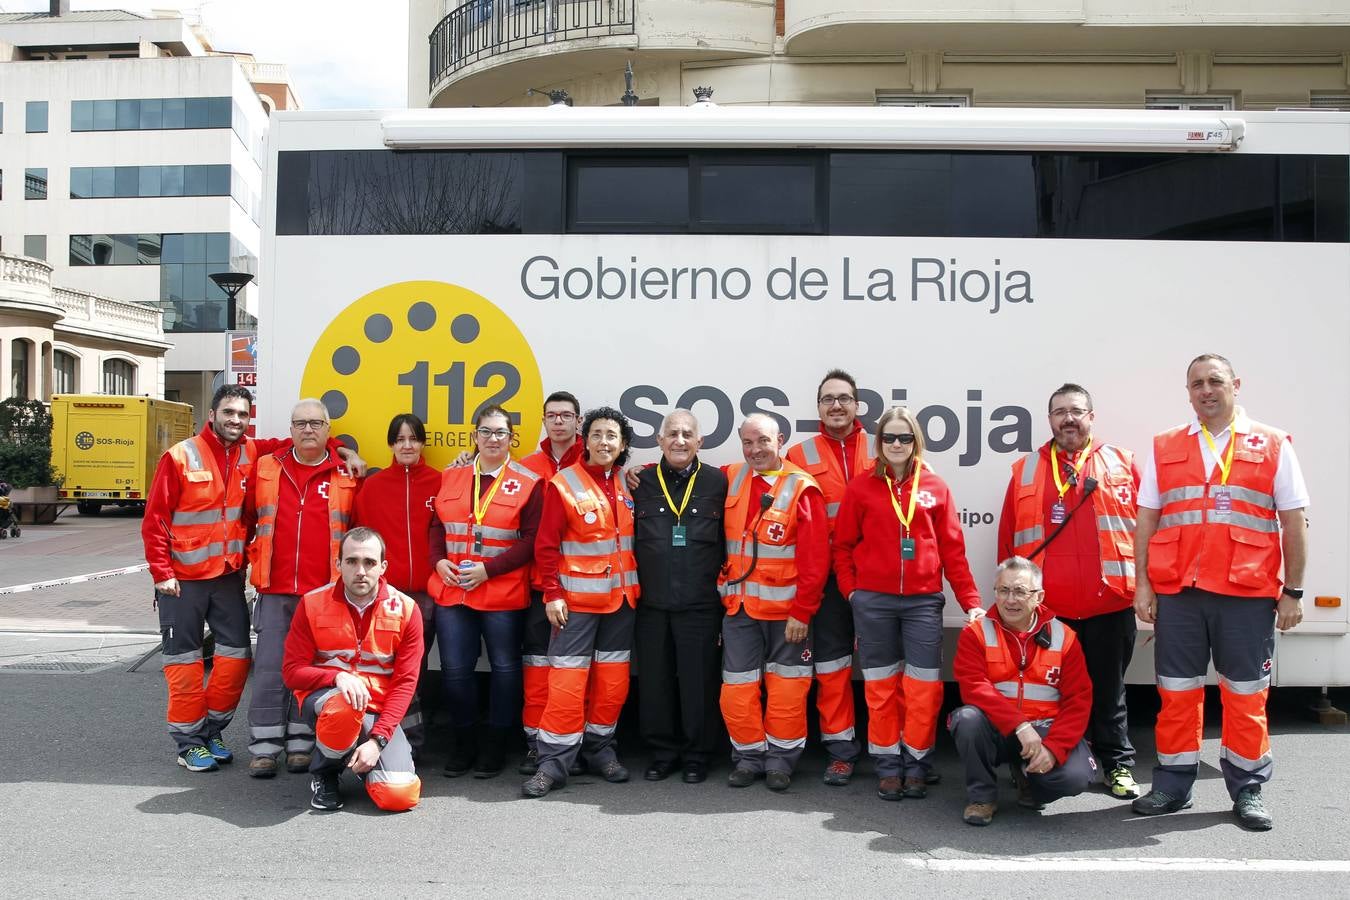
679,660
1108,644
982,750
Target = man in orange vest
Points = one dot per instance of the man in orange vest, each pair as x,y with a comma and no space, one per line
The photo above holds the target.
1221,510
1028,697
778,557
352,657
303,496
195,529
834,457
1070,507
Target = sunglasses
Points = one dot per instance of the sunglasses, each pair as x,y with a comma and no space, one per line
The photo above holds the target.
887,438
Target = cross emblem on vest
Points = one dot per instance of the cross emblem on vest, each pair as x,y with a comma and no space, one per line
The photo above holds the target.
1256,441
925,499
1123,493
431,502
776,532
323,489
1052,675
511,486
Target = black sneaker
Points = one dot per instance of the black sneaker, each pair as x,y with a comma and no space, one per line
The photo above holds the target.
1157,803
530,764
777,781
741,777
537,786
1251,810
326,794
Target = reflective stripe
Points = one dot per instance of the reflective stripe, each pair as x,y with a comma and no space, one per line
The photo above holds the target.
759,591
596,584
602,730
492,552
783,671
565,740
386,776
1056,636
752,747
1242,762
880,673
206,517
879,750
1028,535
1245,687
201,554
1118,568
499,534
570,662
735,487
1178,494
263,748
1114,523
183,659
534,660
243,456
919,674
187,727
613,656
1255,498
588,548
1040,692
1188,517
916,752
574,483
217,716
455,528
1007,689
1253,523
845,735
625,542
267,731
233,513
990,632
232,652
264,530
369,656
825,667
783,502
371,669
234,546
786,743
1110,458
1033,461
810,452
740,677
337,654
193,457
832,509
766,551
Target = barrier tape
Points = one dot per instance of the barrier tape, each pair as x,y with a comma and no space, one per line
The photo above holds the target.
74,579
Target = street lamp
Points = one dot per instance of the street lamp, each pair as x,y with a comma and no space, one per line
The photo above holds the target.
231,283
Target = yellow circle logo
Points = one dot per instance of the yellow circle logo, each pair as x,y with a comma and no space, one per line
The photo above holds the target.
437,350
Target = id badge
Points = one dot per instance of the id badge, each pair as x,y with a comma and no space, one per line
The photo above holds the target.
677,536
1057,513
477,541
907,548
1223,502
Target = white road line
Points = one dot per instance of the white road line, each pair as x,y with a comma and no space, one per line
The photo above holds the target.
74,579
1131,864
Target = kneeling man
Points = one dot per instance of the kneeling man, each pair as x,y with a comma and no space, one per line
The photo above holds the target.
1028,697
352,658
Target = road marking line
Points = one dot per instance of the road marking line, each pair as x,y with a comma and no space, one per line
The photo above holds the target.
1131,864
74,579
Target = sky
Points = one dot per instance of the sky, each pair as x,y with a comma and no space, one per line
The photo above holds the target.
340,53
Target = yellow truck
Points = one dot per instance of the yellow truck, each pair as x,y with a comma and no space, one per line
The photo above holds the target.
105,448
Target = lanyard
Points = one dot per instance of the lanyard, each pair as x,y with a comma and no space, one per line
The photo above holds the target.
1060,483
689,489
904,518
1224,464
479,509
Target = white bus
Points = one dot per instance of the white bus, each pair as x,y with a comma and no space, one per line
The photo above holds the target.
963,262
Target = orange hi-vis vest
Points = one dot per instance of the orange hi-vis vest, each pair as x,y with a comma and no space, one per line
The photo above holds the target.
337,645
267,494
771,588
466,539
1236,553
817,458
1035,688
598,570
207,532
1113,503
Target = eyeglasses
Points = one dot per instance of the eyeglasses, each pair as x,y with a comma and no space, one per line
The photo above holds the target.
308,424
560,417
493,434
842,400
1017,593
888,438
1076,412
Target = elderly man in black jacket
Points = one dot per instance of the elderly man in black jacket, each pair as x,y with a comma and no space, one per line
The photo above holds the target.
680,549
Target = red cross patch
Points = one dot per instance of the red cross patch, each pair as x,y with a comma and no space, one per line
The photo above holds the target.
1265,666
393,603
431,502
925,499
806,655
776,532
511,486
1052,675
323,489
1123,493
1255,441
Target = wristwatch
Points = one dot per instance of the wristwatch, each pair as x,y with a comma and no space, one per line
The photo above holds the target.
1296,593
381,740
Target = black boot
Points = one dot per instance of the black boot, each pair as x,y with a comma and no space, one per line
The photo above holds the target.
491,754
461,753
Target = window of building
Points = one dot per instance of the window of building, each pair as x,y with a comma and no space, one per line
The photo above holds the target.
890,98
35,184
35,116
1198,102
35,246
1330,101
119,377
150,114
64,371
93,182
19,354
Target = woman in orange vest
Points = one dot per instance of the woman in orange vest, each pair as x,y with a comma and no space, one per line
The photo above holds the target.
487,515
585,561
897,534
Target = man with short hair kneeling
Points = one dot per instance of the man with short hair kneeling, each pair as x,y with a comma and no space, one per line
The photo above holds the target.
1028,695
352,658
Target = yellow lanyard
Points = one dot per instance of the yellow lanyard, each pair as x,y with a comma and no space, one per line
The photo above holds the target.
1225,464
904,518
479,509
1060,483
689,489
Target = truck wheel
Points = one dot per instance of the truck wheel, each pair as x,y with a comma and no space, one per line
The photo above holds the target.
88,507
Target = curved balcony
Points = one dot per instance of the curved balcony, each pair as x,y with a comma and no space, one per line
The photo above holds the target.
26,288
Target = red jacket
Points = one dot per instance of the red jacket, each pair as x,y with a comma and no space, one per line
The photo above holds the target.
1075,688
1072,564
302,542
397,503
867,535
542,463
299,672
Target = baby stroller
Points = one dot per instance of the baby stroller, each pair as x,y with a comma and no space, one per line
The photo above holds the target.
9,525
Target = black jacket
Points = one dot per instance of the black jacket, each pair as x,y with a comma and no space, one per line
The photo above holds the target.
678,578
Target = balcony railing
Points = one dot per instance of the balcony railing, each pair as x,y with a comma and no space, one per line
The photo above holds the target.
481,29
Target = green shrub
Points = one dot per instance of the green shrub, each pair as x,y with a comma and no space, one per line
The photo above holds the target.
25,443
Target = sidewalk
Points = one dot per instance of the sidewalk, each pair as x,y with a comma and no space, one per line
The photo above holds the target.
75,546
